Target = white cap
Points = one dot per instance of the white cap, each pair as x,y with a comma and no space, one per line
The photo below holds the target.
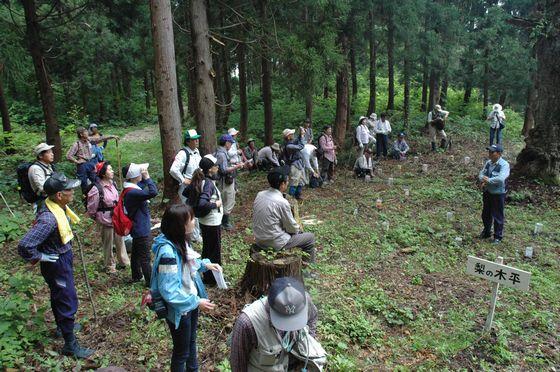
42,147
438,107
232,131
373,115
134,170
497,107
287,132
211,157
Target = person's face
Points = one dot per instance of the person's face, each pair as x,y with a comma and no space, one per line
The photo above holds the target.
193,143
290,137
65,197
84,136
227,145
213,171
189,227
94,131
307,124
251,145
283,187
47,156
329,131
110,173
494,156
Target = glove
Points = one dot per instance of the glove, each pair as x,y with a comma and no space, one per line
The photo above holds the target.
48,257
361,145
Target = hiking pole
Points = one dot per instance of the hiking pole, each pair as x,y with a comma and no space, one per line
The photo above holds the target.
5,202
88,288
119,163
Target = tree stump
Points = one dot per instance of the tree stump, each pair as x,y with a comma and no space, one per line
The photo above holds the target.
266,265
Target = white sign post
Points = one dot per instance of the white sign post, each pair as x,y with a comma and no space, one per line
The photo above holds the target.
497,273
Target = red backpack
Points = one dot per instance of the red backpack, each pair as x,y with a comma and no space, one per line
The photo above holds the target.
121,222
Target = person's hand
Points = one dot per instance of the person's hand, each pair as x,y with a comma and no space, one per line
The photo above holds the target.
45,257
218,203
145,174
187,181
214,267
206,305
361,145
315,174
485,179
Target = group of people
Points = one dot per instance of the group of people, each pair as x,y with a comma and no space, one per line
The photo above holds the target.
207,189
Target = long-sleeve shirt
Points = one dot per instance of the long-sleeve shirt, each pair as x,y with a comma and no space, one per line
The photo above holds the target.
80,152
497,174
178,165
308,135
43,237
136,205
362,134
442,114
110,198
273,221
327,144
401,146
244,338
309,157
38,174
382,127
268,154
495,117
292,152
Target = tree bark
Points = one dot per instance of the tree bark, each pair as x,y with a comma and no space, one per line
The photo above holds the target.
407,73
502,99
205,99
243,108
45,89
529,120
342,93
326,92
433,96
166,89
226,73
443,93
424,101
468,84
353,69
541,156
266,79
485,85
391,62
6,124
180,96
147,98
372,65
309,105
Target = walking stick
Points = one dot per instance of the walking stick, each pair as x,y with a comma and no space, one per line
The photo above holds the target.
88,288
5,202
119,163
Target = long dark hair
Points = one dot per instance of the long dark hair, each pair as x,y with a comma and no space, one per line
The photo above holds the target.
173,224
195,187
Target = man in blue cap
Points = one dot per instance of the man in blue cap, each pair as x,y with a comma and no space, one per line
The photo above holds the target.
493,182
49,242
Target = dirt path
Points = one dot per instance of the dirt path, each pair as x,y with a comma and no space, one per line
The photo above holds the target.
142,135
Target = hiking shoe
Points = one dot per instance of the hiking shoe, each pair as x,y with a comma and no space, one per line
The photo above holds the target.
496,241
72,348
484,235
77,328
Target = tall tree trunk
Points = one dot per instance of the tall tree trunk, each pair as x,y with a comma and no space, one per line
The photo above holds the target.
391,62
166,88
226,73
326,92
406,100
6,125
180,98
502,99
342,94
266,79
485,85
218,89
147,92
309,105
443,93
205,100
529,120
115,90
45,88
433,96
424,101
468,83
353,69
243,110
372,65
541,156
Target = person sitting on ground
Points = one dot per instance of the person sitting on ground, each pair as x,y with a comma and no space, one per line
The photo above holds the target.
308,131
81,153
497,120
328,160
274,225
101,200
271,333
364,165
226,182
400,147
176,278
362,135
382,131
251,154
138,190
267,157
436,124
40,170
292,157
49,241
205,198
310,162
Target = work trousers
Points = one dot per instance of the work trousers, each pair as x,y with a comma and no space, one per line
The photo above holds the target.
184,343
495,133
327,169
108,239
211,248
86,172
140,259
435,133
493,212
228,196
381,144
304,241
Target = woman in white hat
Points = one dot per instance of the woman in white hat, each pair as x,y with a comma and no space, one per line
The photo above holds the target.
497,120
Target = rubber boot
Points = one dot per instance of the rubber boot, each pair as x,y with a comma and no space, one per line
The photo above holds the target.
297,193
443,143
225,223
72,348
77,328
433,147
292,191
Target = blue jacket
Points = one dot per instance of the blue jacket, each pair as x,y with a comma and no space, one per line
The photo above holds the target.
292,152
167,274
136,204
497,175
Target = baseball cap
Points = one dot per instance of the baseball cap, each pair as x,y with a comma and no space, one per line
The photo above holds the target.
438,107
207,162
59,182
42,147
288,304
226,138
402,134
495,148
93,125
232,131
287,132
133,170
250,140
191,134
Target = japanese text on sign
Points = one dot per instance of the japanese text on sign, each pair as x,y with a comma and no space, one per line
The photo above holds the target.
497,273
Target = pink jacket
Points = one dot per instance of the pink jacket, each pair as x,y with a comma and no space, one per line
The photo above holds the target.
110,198
327,144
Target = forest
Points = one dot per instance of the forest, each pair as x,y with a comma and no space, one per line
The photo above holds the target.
391,290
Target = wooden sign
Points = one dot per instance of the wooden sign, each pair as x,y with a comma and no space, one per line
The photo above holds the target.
497,273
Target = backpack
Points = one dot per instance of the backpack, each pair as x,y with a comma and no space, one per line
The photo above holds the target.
24,186
501,122
122,224
320,152
186,160
198,211
101,207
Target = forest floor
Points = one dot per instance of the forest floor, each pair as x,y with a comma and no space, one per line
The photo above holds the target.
389,298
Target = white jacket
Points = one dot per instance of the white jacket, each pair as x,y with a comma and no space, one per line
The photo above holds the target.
362,134
382,127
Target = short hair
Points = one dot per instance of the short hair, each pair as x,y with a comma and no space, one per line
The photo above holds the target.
383,115
222,142
80,130
276,177
326,127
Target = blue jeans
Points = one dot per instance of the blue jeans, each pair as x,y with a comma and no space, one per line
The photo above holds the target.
493,212
381,144
85,172
497,133
184,343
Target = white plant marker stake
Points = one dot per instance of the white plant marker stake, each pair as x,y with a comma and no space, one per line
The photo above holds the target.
495,288
449,216
416,159
538,228
390,181
529,252
467,160
425,168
